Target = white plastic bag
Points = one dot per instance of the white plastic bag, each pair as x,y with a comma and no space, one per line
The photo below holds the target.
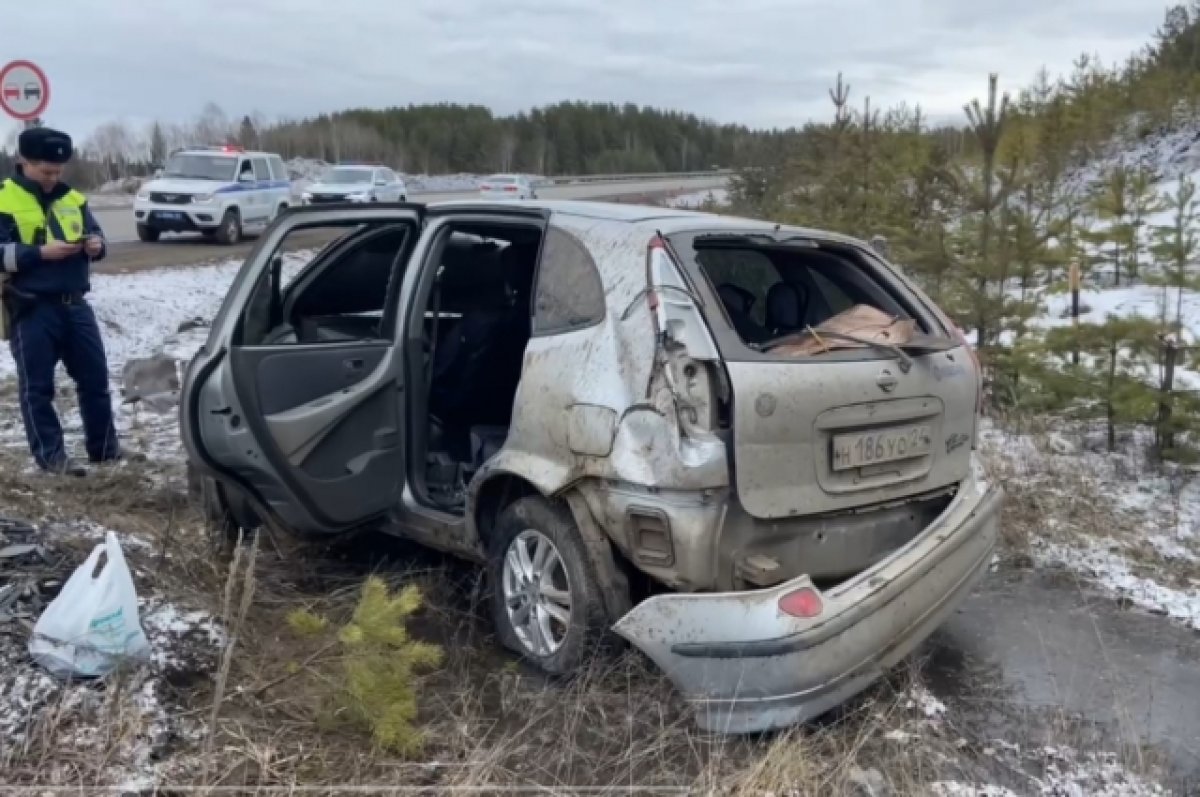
92,625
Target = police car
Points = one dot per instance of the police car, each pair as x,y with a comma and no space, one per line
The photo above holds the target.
219,191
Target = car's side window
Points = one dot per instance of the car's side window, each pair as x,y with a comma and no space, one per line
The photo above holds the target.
261,172
340,295
278,170
569,293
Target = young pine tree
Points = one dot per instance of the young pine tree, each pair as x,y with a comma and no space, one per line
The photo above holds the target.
1109,203
1143,202
1175,248
1114,380
986,125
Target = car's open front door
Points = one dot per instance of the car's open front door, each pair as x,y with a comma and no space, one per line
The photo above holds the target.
297,400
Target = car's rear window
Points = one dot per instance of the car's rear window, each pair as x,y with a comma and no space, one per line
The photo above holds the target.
502,180
768,290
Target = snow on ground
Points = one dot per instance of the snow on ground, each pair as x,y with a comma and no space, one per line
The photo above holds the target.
1142,544
127,719
1167,154
698,199
1064,772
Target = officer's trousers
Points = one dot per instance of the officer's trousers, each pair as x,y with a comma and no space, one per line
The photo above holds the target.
46,333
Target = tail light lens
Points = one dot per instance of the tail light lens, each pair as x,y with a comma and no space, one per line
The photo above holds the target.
805,603
512,188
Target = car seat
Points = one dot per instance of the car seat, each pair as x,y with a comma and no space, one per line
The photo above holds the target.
738,301
787,308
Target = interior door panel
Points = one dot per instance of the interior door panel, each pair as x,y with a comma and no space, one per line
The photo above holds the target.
309,428
290,376
334,417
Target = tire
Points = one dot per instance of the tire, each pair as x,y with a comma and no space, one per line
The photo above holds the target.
147,234
528,523
220,527
230,231
403,198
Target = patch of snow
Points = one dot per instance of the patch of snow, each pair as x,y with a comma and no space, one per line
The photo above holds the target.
951,788
169,628
1111,570
921,699
1162,507
1063,772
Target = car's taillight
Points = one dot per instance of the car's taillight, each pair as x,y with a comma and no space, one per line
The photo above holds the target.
510,188
804,603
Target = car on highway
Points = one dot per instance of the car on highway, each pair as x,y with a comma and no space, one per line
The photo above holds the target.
748,449
357,183
221,191
507,186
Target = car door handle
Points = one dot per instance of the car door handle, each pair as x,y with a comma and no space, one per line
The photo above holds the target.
353,364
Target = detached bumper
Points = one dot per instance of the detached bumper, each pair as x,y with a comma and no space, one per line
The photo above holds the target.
748,667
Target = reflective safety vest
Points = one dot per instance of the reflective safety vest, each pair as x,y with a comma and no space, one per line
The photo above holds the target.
32,225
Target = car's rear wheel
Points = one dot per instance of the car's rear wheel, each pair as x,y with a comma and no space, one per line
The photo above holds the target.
207,495
546,600
230,231
147,234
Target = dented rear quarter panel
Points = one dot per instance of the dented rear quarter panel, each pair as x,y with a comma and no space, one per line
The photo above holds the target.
591,414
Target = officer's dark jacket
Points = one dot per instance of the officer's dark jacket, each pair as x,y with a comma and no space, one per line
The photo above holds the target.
22,261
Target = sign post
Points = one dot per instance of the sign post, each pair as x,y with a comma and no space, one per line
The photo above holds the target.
24,91
1074,278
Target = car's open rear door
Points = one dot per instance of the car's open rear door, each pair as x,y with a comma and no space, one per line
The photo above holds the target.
297,399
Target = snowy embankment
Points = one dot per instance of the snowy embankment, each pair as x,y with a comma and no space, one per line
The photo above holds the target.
698,200
1141,536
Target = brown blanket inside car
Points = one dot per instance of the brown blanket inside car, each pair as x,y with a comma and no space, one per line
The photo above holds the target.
861,321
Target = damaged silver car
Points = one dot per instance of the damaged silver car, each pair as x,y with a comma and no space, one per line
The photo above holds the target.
747,449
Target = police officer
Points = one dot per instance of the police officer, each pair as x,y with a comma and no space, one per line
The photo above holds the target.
48,238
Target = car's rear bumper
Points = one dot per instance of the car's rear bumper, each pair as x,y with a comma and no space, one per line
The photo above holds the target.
749,667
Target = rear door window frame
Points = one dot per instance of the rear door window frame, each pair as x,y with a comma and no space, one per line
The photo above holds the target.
731,345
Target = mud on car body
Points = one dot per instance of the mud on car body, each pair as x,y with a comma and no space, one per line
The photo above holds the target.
766,433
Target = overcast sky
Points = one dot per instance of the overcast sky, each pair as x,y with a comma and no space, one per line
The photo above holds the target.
759,62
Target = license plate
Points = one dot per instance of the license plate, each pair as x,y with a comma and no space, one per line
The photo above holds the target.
882,445
165,214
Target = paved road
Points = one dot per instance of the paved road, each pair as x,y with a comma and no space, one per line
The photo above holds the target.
119,227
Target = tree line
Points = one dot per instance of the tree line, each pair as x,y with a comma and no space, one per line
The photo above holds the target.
565,138
995,216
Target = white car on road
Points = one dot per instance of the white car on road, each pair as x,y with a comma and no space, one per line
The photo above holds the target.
507,186
221,192
357,183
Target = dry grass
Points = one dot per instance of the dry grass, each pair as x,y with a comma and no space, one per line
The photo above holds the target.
489,721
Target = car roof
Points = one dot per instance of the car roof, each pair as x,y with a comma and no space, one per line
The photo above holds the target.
656,219
227,153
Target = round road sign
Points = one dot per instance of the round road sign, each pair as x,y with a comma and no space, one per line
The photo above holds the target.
24,90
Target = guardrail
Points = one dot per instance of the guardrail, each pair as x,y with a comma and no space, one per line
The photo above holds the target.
621,178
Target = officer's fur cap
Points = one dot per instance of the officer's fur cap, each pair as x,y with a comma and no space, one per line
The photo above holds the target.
44,144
